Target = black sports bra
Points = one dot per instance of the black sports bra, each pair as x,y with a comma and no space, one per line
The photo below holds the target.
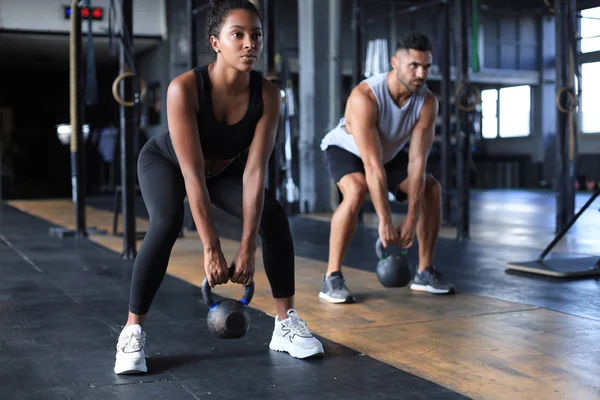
219,140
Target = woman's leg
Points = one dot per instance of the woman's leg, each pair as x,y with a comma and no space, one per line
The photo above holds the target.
291,334
163,190
277,244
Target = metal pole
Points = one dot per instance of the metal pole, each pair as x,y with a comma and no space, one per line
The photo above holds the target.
357,73
269,39
76,117
464,130
393,29
565,199
357,28
127,133
274,166
560,117
445,106
193,56
335,10
572,150
566,228
266,38
1,158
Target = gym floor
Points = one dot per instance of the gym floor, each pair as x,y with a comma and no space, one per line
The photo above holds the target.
504,335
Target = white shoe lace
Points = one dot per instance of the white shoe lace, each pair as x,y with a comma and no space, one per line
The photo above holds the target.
132,342
298,325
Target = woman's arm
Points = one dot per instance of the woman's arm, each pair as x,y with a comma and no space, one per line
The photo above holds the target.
182,107
256,166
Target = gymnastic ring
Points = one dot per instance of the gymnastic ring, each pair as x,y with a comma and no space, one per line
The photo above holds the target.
115,92
474,89
570,91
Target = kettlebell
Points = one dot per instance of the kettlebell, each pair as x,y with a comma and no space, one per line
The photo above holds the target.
393,270
228,319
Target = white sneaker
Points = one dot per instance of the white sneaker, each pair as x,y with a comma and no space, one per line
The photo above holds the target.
293,336
131,357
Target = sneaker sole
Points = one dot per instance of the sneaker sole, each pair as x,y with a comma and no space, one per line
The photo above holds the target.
284,345
333,300
124,368
430,289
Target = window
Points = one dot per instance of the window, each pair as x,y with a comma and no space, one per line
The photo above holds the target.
590,97
489,117
590,30
506,112
515,107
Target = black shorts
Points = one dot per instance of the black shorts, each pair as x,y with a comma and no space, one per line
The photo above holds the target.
341,162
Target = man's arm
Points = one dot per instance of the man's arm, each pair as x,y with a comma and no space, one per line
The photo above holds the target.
420,145
361,121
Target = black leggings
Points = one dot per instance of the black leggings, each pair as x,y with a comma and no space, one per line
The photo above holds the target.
163,191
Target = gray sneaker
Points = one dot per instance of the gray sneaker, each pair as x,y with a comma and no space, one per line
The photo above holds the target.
430,281
334,289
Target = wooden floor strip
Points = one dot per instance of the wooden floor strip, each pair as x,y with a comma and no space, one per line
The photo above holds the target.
481,347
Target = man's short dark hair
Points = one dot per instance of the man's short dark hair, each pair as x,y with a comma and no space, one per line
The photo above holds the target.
414,41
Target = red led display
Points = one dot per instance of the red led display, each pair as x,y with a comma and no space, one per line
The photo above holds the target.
96,13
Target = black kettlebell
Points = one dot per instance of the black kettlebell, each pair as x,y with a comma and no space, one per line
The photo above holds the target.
228,319
393,270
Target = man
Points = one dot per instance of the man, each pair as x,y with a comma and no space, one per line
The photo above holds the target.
364,154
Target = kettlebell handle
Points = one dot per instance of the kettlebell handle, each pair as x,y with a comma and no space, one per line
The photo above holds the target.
380,250
207,292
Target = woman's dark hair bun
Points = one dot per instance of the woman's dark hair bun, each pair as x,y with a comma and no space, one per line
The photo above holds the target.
218,3
220,9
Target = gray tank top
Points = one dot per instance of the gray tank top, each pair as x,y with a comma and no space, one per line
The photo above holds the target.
395,123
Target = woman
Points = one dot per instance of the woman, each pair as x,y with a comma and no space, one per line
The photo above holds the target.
215,113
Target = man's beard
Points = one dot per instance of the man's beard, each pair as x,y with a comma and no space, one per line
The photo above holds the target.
411,85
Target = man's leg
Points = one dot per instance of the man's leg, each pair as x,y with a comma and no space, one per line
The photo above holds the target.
343,223
427,277
428,225
347,170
